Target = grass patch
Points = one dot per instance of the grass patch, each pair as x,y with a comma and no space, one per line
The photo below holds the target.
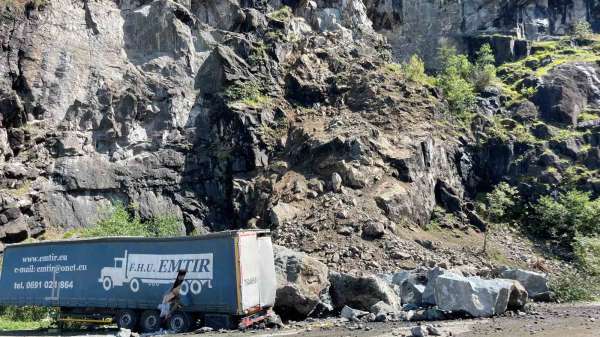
117,220
283,14
496,256
587,116
7,324
25,317
564,134
247,93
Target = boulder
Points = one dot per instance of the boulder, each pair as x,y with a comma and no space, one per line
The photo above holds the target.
5,150
373,230
336,182
361,292
433,331
419,331
282,213
412,292
543,131
569,147
352,314
518,297
474,296
355,178
14,231
301,282
428,293
566,91
399,277
381,308
535,283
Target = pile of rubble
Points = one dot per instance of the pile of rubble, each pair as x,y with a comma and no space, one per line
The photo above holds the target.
308,288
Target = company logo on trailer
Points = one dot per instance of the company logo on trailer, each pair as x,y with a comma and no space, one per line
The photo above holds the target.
159,269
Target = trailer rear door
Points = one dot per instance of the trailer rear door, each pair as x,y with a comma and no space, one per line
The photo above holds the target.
268,281
249,271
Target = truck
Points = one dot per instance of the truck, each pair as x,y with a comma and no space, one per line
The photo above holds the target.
229,278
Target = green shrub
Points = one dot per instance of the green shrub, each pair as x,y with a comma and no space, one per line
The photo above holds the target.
164,226
282,14
459,79
499,201
587,253
248,93
117,221
414,69
393,68
453,80
25,317
570,214
458,92
573,286
454,63
582,29
484,71
25,313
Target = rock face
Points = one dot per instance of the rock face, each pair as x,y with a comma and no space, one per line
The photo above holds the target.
206,111
475,296
232,114
227,114
302,281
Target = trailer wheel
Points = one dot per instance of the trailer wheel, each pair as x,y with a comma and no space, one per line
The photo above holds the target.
180,322
196,287
107,283
134,285
150,321
126,319
185,288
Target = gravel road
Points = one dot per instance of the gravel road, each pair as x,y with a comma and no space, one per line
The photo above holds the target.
547,320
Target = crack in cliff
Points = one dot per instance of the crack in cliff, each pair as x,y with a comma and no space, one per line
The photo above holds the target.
89,21
8,49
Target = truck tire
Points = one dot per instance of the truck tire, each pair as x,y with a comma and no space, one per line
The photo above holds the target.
150,321
107,283
134,285
180,322
195,287
126,319
185,288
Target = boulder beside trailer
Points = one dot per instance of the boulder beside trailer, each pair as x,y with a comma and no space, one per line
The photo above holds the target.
230,277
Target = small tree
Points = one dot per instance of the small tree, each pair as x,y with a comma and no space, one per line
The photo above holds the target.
484,71
454,80
414,69
582,29
498,202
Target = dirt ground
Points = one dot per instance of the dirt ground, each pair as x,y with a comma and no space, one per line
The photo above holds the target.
546,320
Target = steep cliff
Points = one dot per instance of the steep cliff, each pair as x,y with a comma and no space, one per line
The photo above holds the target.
234,114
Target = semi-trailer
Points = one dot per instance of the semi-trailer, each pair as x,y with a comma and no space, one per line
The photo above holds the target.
229,278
